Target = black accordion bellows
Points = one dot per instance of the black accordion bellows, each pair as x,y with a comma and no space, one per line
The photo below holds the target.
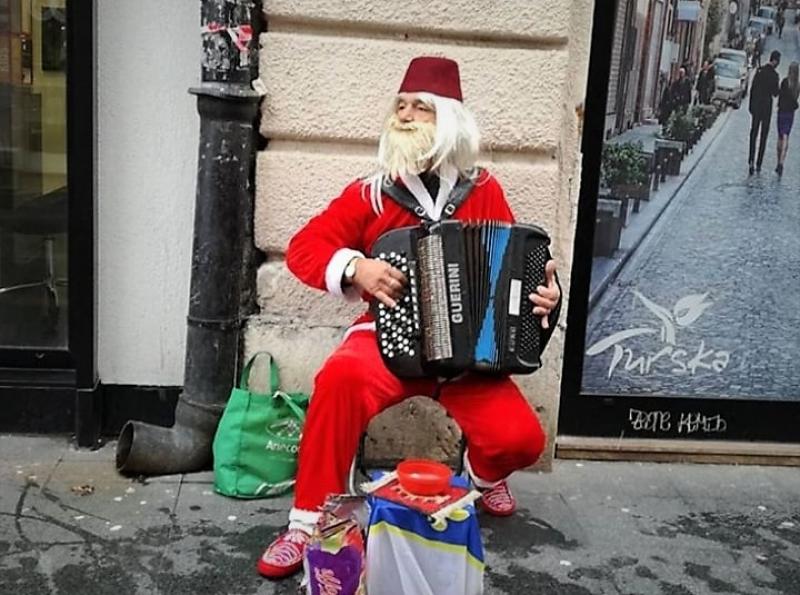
466,305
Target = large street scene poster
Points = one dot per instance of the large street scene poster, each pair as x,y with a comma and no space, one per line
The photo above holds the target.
695,276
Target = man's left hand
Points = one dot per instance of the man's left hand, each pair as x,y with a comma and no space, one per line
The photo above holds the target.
547,296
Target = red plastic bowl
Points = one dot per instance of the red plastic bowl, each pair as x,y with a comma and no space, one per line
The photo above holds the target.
424,478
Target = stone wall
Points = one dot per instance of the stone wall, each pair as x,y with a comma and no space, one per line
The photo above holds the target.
330,70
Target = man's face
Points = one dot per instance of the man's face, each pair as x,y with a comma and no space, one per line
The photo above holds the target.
410,133
410,108
681,74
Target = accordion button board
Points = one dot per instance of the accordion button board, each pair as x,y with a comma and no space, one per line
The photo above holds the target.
399,325
466,304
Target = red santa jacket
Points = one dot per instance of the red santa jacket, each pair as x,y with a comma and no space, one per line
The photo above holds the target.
319,251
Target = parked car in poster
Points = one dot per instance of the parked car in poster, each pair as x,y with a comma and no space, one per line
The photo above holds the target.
769,13
757,27
740,57
728,82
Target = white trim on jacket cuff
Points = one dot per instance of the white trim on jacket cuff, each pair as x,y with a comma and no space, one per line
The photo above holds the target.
361,326
335,270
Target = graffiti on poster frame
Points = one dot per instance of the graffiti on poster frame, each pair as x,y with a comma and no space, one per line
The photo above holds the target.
684,422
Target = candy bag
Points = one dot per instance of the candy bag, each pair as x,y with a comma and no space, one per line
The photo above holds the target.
334,561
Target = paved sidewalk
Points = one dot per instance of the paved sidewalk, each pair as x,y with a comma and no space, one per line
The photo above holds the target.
69,524
605,269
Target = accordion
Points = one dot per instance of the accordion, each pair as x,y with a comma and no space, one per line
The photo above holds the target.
466,304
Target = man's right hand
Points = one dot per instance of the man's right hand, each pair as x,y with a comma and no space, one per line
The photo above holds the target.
379,279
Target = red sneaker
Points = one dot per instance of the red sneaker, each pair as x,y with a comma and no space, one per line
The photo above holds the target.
284,556
498,501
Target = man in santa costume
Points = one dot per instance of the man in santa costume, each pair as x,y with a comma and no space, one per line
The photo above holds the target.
429,144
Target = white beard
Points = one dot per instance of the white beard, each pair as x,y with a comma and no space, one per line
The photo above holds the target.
406,147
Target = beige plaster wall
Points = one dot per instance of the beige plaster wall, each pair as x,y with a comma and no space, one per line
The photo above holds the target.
329,69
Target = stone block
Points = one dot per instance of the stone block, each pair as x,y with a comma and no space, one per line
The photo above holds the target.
293,185
417,427
281,295
298,350
316,178
322,87
513,21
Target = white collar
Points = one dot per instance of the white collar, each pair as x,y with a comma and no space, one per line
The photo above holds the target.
448,175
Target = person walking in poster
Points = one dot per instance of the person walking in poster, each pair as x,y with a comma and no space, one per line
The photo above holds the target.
665,107
765,87
682,90
677,96
787,105
757,45
705,83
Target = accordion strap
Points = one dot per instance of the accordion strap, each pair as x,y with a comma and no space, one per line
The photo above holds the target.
458,195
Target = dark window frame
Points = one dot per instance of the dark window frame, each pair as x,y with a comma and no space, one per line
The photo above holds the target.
75,365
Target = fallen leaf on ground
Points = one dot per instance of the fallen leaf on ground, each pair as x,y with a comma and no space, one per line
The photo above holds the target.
83,490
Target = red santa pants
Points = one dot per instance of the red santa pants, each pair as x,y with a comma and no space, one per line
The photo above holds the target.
502,431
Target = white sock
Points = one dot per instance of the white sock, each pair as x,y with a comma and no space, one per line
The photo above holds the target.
481,484
305,520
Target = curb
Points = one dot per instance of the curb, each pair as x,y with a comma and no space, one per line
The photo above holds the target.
612,275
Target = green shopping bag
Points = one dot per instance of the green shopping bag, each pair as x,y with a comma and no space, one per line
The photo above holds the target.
255,446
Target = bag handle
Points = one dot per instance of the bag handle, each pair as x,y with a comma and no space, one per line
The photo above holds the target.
287,398
274,381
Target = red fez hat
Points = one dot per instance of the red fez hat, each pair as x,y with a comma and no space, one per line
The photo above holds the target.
432,75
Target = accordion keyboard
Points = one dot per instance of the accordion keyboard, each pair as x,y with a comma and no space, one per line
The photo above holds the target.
437,343
399,325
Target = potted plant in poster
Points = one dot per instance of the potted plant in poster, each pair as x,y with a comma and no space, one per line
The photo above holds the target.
626,173
679,128
623,174
669,151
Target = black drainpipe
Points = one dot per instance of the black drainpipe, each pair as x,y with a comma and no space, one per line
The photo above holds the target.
222,290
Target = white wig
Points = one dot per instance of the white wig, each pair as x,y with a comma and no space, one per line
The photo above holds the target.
455,145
